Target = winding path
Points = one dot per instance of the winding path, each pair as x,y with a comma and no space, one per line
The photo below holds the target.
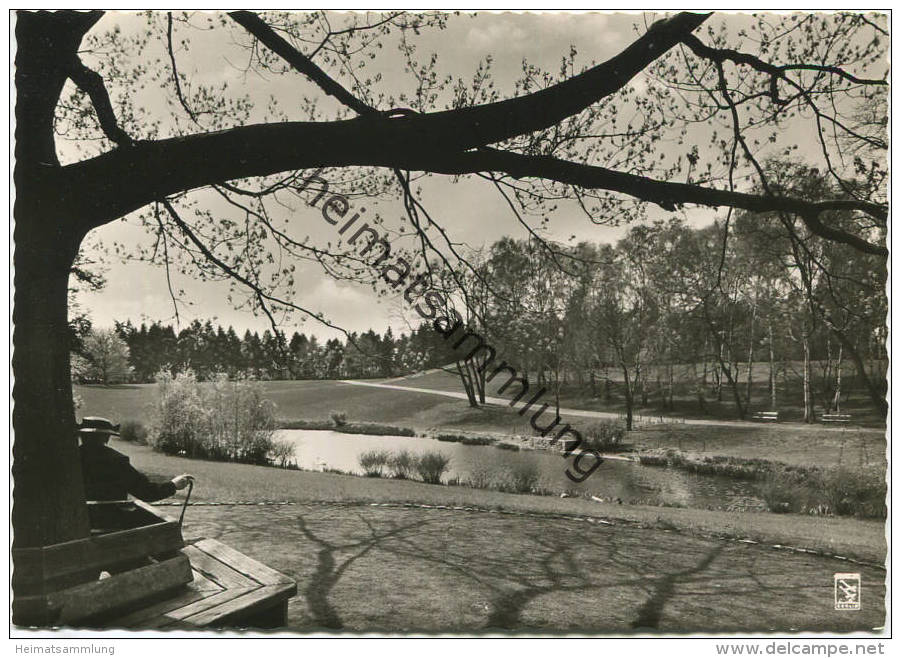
604,415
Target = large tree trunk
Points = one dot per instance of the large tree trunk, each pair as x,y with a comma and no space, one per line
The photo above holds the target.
481,375
557,389
48,495
48,492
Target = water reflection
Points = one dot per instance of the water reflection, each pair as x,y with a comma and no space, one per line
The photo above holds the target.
614,480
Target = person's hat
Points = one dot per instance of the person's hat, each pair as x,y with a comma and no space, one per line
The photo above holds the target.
97,425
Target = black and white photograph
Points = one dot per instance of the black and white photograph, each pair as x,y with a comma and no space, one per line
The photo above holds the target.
451,323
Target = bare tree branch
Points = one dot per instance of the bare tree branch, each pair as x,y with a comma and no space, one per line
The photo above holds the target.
268,37
665,194
178,92
439,142
261,295
252,23
92,84
164,236
721,55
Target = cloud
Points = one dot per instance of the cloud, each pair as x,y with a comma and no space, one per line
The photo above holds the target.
485,36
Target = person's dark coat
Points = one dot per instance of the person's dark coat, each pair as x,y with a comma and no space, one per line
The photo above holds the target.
109,475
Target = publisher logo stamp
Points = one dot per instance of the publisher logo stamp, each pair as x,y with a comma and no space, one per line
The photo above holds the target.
847,591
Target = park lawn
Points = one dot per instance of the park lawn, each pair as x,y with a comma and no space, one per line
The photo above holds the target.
305,399
314,400
396,569
228,482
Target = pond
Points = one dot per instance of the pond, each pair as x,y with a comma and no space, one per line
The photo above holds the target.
627,481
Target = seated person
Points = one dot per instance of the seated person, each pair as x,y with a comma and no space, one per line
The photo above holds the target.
109,475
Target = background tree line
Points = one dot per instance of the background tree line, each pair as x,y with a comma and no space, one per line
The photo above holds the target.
130,353
679,318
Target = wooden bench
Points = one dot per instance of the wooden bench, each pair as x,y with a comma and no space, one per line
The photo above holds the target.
842,419
228,589
135,571
767,416
138,548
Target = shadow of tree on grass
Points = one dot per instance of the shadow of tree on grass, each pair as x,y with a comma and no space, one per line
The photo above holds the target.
365,568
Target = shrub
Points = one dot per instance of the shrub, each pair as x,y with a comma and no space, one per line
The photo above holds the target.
402,465
301,424
376,429
466,440
178,415
240,423
783,494
338,418
431,466
133,431
223,419
839,491
653,460
524,477
450,438
282,453
850,493
507,446
481,478
604,435
373,462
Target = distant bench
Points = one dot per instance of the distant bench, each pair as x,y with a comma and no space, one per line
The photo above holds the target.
767,416
842,419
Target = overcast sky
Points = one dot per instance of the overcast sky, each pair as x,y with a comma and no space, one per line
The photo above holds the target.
471,210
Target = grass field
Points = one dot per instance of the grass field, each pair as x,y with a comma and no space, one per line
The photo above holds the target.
314,400
361,568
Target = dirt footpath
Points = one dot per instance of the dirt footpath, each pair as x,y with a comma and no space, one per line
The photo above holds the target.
394,569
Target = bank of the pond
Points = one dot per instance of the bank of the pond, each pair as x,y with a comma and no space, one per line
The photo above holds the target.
842,489
693,480
346,427
229,482
688,480
472,463
832,491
